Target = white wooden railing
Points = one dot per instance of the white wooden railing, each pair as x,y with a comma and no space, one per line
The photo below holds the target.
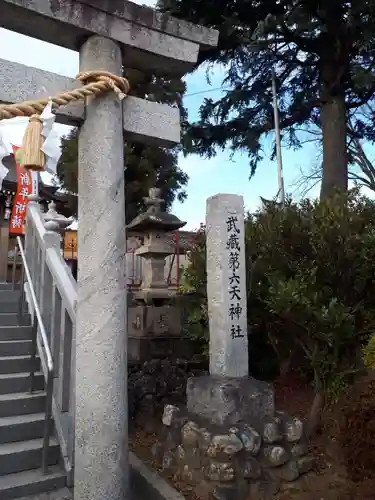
56,295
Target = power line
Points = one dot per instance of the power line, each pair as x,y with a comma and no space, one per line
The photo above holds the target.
206,90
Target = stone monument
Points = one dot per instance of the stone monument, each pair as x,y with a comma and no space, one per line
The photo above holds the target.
154,322
230,443
227,395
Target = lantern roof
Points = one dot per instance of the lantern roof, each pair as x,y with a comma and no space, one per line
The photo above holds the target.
154,218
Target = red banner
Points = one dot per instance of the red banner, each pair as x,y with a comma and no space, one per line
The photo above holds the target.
24,189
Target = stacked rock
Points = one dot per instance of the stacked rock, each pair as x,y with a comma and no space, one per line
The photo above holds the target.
248,461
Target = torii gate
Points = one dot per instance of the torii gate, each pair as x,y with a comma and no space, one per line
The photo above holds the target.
107,34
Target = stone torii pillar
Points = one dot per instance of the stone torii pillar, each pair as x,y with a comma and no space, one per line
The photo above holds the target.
101,345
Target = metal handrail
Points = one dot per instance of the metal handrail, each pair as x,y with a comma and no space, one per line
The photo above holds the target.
39,323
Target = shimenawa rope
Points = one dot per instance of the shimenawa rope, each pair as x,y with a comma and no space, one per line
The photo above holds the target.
95,83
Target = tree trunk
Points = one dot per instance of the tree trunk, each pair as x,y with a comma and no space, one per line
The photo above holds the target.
335,163
315,414
316,409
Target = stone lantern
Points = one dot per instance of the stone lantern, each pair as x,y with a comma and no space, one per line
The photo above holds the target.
154,322
155,225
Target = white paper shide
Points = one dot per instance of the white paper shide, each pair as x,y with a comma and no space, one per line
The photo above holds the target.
12,130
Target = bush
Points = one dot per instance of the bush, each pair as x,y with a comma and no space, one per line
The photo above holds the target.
356,419
194,294
368,353
314,274
310,279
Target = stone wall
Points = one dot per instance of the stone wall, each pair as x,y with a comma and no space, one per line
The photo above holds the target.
247,462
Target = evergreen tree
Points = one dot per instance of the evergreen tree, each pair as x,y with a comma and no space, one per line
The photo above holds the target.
145,165
361,167
323,56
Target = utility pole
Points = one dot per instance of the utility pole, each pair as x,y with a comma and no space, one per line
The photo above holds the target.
280,176
271,19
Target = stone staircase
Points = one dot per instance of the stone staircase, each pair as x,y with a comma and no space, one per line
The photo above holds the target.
22,413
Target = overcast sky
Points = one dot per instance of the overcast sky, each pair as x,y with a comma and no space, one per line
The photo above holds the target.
207,177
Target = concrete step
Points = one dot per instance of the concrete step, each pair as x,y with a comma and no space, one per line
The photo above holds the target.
15,332
16,404
6,286
21,428
26,455
15,348
20,382
18,364
9,307
9,296
11,319
31,483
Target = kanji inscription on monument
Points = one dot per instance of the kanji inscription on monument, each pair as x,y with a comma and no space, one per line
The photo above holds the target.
226,286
